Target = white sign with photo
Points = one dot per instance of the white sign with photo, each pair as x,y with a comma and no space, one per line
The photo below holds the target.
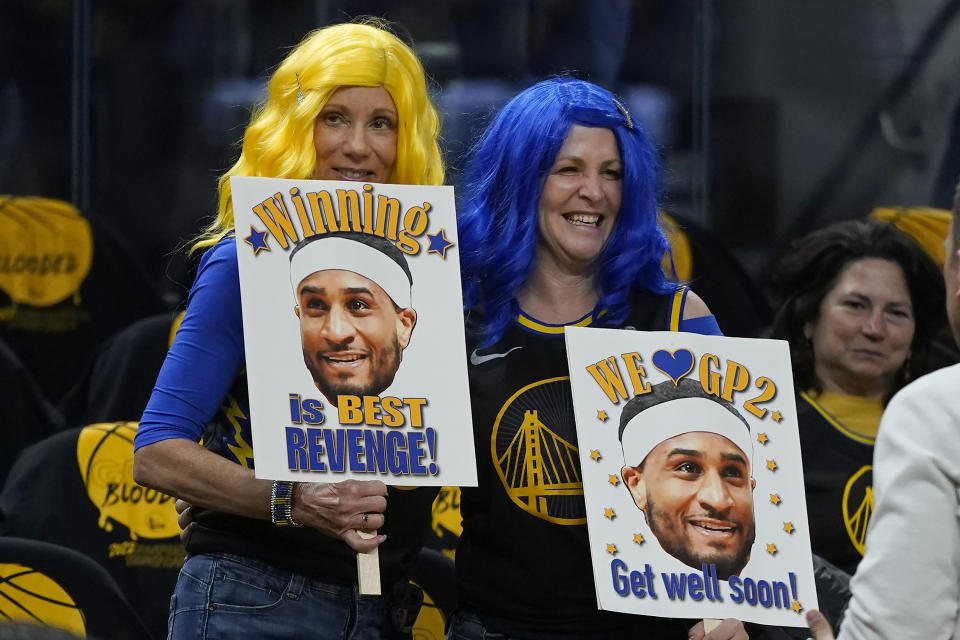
692,475
353,330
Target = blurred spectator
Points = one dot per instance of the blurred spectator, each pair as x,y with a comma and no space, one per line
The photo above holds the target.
908,585
859,303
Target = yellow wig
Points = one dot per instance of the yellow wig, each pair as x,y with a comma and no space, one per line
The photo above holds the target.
278,143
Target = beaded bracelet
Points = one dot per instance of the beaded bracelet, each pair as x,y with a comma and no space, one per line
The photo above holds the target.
281,504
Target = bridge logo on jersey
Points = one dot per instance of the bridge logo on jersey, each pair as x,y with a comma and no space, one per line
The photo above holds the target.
105,456
858,506
534,452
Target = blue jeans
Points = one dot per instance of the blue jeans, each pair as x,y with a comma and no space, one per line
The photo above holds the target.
227,596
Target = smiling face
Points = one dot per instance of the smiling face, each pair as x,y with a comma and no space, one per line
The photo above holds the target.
696,494
863,331
580,199
355,136
352,333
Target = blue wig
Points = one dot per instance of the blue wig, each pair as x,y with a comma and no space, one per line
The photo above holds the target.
503,179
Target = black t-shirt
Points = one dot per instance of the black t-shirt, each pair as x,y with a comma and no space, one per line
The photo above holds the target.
523,562
838,478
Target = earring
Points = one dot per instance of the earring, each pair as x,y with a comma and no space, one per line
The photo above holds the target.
299,90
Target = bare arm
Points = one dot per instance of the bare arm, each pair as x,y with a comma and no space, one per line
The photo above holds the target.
694,307
184,469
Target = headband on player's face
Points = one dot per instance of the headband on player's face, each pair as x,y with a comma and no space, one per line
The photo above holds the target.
350,255
676,417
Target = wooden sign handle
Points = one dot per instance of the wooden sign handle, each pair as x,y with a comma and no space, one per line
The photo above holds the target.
709,624
368,568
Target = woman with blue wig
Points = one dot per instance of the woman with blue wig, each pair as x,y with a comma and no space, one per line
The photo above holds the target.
558,226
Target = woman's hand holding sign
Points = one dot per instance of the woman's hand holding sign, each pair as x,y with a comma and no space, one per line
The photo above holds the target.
340,509
819,627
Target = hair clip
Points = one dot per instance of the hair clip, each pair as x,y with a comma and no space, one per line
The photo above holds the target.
626,114
300,90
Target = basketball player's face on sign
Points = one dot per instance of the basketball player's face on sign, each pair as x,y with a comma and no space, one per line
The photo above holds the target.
352,333
697,496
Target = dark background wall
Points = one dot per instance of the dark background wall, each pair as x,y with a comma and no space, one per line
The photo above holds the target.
773,116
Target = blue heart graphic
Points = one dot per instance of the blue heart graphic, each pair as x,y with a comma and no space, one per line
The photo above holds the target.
676,365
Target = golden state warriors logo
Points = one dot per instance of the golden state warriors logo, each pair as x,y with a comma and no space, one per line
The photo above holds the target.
30,596
105,456
430,621
534,455
46,249
858,506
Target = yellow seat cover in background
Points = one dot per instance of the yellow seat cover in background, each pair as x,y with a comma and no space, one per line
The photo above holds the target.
105,457
46,249
927,226
26,595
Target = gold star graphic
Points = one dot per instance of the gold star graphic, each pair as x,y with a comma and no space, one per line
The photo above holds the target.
609,513
777,416
612,479
762,438
796,606
788,527
772,549
638,538
602,415
775,498
595,454
772,465
612,549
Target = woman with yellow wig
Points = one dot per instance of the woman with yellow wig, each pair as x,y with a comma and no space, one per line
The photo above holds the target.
278,559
